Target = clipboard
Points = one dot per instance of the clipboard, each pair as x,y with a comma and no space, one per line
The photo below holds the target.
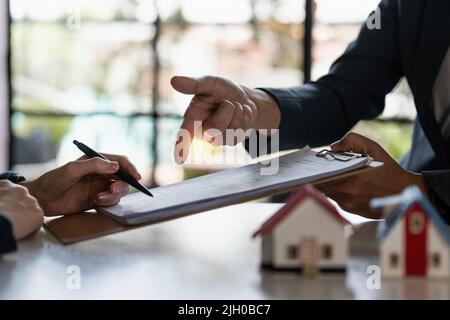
89,225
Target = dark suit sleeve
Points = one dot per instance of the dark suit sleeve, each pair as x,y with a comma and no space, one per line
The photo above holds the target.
439,184
7,240
12,176
321,112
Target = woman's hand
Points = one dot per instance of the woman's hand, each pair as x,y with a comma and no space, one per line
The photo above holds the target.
21,209
355,193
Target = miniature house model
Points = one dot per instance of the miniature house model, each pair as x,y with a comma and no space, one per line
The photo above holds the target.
307,234
414,240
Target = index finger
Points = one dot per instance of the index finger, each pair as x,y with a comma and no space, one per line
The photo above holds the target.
185,136
357,143
210,86
195,114
354,142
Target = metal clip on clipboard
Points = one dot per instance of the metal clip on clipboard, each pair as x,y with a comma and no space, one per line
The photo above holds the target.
339,156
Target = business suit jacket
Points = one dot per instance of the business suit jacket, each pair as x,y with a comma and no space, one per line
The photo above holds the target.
412,43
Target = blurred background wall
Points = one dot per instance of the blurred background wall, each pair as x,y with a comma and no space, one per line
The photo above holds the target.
98,71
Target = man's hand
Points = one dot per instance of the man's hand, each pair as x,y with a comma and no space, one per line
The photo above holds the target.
22,209
221,104
355,193
82,185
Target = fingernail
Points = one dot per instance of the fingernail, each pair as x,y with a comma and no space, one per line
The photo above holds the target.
113,166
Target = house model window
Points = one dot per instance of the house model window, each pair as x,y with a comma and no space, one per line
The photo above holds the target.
393,260
416,223
292,252
327,252
435,260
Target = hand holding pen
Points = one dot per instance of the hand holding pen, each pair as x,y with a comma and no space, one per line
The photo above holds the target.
121,174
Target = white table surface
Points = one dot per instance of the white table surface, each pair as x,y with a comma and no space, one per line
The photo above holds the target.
206,256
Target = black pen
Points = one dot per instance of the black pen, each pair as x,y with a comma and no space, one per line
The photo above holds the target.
121,174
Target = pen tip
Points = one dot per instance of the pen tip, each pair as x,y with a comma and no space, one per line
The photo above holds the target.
150,194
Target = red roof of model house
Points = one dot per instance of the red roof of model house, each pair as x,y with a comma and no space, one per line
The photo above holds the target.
306,192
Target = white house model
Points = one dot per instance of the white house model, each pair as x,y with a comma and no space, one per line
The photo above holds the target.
307,234
414,240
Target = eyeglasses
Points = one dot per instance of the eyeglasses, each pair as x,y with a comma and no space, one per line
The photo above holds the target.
339,156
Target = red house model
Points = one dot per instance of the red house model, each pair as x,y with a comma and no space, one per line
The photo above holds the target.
414,240
307,234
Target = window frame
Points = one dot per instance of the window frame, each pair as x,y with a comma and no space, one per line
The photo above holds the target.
435,260
394,260
327,252
292,252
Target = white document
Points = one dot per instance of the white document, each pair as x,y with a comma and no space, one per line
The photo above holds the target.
226,187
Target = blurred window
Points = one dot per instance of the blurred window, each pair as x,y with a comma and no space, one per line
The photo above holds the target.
98,71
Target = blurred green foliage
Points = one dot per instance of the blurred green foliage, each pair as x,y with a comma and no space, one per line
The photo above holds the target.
395,137
55,128
177,18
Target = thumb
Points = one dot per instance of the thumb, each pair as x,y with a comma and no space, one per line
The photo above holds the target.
353,142
185,85
80,168
188,85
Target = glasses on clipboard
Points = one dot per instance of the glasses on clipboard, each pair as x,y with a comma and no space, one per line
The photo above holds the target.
339,156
